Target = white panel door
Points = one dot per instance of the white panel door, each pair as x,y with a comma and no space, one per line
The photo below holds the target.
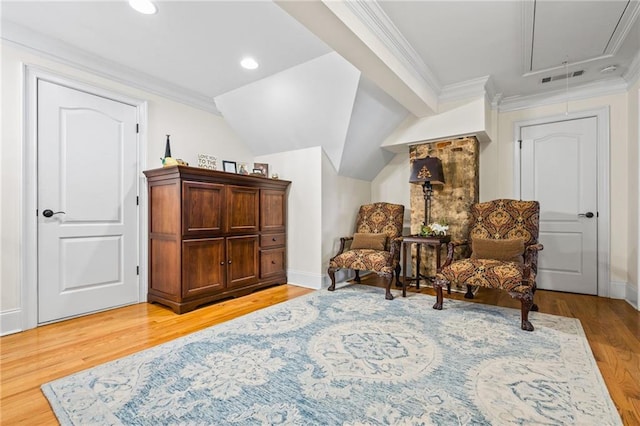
559,169
87,212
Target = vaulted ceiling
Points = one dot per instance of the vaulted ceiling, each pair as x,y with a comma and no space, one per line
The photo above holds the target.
348,72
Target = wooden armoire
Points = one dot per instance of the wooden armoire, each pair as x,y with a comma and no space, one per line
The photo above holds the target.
213,235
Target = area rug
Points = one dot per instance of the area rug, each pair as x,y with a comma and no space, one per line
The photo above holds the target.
350,357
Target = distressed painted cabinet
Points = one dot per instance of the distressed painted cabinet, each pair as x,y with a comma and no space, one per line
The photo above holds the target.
213,235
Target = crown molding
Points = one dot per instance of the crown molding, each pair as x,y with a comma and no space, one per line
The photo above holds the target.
624,26
376,20
590,90
482,86
633,72
61,52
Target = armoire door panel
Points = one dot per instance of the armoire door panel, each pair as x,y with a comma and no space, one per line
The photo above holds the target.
202,205
203,266
242,260
273,210
242,209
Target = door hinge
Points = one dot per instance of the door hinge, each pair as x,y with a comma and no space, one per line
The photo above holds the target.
137,270
137,200
137,128
520,143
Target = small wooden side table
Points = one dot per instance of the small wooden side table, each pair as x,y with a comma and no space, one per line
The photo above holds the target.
407,240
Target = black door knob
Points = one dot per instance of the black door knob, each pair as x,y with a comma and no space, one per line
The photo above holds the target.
49,213
587,214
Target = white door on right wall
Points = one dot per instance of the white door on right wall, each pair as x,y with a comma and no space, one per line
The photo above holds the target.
559,169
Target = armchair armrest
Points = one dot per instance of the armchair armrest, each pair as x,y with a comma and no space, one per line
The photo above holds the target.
530,267
394,250
531,254
343,244
450,249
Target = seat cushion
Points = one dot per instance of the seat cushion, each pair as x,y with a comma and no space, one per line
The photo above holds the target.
364,260
486,273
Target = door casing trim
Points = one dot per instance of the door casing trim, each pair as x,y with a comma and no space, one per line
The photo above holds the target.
603,192
29,229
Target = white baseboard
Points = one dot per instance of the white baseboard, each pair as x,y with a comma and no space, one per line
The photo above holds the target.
305,279
317,281
617,290
632,295
10,322
624,291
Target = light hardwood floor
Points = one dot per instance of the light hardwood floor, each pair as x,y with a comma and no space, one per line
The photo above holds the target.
37,356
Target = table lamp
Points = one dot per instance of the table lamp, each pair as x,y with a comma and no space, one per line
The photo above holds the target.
427,171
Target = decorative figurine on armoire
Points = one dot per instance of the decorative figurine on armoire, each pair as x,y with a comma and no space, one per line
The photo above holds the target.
167,160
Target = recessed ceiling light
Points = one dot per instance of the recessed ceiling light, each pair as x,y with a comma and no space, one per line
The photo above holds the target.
249,63
143,6
610,68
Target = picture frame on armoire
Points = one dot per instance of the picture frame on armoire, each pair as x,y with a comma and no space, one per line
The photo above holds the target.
262,167
229,166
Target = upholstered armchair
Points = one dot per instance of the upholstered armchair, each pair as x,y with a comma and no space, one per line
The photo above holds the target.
375,246
504,254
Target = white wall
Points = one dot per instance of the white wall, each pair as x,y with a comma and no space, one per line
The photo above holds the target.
392,185
303,168
192,131
341,199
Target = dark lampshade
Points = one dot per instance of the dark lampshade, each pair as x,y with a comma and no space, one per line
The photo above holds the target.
428,169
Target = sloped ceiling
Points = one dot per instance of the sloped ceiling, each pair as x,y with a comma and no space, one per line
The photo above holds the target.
375,116
304,106
323,102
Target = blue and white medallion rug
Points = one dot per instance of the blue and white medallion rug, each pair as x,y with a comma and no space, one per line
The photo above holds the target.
352,358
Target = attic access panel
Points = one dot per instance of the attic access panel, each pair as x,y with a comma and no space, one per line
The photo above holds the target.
583,30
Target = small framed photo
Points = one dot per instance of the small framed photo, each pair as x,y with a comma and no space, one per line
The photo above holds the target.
229,166
262,168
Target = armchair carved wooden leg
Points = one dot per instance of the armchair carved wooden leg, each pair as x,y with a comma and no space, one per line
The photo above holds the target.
398,269
437,285
526,301
469,293
534,307
357,278
389,278
332,275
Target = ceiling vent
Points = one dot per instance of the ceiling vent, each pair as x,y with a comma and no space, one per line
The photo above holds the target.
562,76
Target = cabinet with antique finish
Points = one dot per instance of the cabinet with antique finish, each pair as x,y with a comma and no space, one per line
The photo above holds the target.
213,235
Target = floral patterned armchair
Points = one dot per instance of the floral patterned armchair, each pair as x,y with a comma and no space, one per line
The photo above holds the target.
374,247
497,228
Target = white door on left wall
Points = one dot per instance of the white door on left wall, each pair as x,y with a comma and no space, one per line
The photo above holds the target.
87,203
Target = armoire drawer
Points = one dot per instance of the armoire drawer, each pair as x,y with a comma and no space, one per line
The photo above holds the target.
273,240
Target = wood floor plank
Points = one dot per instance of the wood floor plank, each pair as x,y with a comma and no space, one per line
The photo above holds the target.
34,357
